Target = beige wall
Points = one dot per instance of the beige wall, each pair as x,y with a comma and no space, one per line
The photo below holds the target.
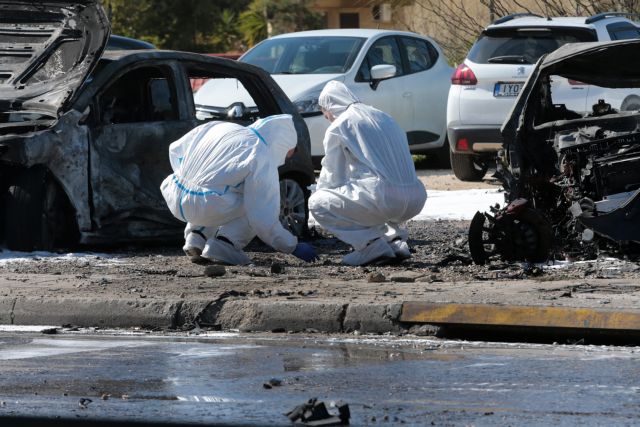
333,9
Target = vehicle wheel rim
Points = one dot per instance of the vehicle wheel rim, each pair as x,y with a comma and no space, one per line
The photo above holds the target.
292,206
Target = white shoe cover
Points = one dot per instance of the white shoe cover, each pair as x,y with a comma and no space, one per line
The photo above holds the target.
221,251
400,248
193,245
379,248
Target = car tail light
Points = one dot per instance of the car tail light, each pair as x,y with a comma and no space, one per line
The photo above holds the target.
462,144
576,82
463,76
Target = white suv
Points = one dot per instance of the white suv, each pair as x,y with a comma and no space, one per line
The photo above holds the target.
485,86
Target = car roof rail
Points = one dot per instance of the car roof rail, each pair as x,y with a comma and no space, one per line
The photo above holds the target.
604,15
514,16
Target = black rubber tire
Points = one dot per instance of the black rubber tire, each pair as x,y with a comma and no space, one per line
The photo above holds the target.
466,167
442,154
38,213
297,217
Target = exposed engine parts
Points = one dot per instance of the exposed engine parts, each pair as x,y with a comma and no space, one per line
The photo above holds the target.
571,178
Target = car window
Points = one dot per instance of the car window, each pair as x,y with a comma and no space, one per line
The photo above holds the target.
419,56
305,55
623,31
145,94
383,51
523,45
218,96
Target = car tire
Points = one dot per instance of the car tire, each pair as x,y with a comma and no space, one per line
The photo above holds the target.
294,208
38,213
443,158
467,167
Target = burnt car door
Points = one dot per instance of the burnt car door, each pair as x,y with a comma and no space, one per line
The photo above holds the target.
136,115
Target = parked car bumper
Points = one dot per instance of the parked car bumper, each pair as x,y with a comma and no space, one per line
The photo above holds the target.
477,139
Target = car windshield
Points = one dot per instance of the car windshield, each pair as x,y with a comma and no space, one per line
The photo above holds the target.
305,55
523,45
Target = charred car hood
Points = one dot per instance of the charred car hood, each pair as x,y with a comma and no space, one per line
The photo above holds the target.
47,49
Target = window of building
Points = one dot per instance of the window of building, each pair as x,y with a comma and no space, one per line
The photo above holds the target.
349,20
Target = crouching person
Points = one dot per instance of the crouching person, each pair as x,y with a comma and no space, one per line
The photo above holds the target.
225,186
368,185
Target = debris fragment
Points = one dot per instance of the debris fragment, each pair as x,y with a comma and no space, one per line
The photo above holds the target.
273,382
277,268
214,270
83,403
49,331
105,396
406,277
257,273
376,278
314,413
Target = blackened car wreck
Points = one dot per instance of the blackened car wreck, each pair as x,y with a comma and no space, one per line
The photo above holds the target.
571,179
84,135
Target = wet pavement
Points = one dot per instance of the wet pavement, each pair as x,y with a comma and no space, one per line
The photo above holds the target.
219,378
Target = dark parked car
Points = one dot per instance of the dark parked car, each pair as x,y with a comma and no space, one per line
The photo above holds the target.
572,180
127,43
84,135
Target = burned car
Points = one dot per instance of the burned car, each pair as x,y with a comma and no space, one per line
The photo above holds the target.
84,133
571,179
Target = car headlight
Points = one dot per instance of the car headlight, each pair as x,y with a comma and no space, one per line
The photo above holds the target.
308,105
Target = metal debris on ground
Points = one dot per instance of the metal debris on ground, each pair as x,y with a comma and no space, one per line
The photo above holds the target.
314,413
83,403
376,278
273,382
277,268
215,271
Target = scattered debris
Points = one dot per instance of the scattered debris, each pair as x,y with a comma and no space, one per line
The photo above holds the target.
405,277
49,331
314,413
452,258
277,268
273,382
83,403
376,278
257,273
125,397
215,270
105,396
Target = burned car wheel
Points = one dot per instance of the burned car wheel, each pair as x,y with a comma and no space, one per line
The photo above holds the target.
38,213
525,235
467,167
294,213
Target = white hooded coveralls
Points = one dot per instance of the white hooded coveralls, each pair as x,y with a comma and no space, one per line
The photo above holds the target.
226,178
368,184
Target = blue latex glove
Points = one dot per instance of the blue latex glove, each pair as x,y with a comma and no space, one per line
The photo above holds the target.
305,252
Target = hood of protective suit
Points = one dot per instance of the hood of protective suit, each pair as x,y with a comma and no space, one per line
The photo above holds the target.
336,98
279,134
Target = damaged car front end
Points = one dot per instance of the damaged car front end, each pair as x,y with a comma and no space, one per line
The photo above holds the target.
571,177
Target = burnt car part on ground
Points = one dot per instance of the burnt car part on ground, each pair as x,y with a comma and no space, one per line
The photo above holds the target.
84,134
572,182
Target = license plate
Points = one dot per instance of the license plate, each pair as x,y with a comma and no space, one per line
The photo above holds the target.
507,89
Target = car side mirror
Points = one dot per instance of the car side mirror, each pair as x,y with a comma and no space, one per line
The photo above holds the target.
236,111
381,72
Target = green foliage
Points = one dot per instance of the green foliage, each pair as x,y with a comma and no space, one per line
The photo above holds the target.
192,25
266,18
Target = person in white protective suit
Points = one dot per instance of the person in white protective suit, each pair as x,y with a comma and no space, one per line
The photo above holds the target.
368,185
225,186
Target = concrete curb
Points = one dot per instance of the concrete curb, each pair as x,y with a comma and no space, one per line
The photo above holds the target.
241,314
322,316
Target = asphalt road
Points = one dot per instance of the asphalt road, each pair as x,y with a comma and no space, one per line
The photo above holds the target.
218,379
